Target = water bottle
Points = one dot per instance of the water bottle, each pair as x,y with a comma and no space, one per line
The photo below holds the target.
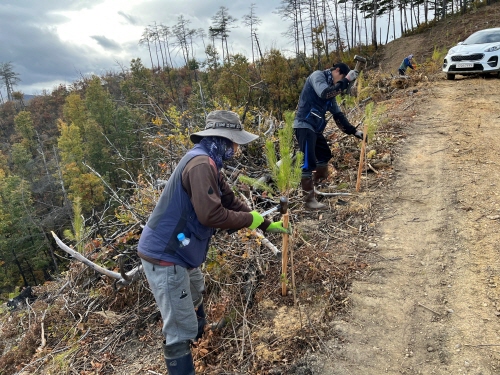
182,239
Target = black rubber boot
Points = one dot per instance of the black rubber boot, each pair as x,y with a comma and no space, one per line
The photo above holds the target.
202,321
179,359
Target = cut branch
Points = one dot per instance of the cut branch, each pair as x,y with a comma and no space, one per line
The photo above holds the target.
128,278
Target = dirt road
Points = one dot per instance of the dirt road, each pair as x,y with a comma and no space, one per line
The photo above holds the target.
430,305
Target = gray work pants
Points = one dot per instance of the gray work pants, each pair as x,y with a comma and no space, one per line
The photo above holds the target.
177,292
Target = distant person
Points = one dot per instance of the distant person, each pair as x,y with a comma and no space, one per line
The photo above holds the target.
175,240
318,97
407,63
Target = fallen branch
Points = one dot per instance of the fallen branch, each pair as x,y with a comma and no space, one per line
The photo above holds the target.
372,169
42,334
258,233
331,194
130,276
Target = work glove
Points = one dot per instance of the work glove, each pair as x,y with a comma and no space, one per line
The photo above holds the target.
359,134
277,227
257,220
352,75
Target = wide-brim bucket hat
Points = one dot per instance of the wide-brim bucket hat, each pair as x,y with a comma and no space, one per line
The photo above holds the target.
225,124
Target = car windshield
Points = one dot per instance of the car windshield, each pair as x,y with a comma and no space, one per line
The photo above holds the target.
485,36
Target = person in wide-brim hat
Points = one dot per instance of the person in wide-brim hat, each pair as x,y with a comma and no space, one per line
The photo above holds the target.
225,124
175,240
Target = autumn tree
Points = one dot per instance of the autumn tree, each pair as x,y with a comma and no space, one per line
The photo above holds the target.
77,177
275,73
24,127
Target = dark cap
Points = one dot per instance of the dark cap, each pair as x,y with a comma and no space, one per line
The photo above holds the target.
344,69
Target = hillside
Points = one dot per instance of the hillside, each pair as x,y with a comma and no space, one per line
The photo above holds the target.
400,278
441,36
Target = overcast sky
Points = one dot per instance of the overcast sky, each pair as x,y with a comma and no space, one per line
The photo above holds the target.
52,42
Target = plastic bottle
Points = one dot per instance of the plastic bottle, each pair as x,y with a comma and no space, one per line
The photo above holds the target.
182,239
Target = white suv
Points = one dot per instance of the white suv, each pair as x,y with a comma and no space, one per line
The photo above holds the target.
478,54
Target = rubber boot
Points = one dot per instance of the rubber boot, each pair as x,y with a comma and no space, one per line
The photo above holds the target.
309,197
320,174
202,321
179,359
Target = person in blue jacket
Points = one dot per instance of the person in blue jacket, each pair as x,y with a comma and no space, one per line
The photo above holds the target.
175,240
407,63
318,97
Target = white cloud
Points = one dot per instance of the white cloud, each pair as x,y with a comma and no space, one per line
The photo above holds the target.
51,41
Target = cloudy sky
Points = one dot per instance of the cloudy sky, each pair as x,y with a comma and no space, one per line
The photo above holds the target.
52,42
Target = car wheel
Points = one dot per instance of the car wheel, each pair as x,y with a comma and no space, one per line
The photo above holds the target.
450,76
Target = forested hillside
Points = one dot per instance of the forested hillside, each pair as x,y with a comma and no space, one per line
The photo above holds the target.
87,162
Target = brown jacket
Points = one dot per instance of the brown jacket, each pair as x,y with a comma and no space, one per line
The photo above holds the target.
202,182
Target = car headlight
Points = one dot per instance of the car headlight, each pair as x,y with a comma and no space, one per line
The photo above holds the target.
493,49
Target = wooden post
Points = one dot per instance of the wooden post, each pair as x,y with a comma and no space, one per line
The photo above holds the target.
284,252
361,158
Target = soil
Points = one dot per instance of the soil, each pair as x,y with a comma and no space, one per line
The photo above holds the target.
430,305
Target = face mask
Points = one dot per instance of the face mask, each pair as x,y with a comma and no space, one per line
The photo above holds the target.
218,148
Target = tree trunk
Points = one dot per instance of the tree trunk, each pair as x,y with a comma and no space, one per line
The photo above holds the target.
374,33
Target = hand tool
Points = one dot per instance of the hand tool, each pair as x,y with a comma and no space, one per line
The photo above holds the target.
281,208
359,60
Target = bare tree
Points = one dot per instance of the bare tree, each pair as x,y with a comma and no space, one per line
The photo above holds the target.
252,20
145,40
336,28
374,24
291,10
223,22
9,78
155,37
183,33
165,35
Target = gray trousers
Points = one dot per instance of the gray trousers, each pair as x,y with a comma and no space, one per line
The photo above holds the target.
177,292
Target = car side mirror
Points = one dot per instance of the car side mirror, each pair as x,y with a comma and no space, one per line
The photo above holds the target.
459,43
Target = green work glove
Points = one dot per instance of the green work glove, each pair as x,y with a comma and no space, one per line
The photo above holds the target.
277,227
257,220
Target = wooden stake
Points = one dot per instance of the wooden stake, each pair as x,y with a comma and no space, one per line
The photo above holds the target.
294,287
361,158
284,254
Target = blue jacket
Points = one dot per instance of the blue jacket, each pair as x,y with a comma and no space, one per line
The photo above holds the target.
173,214
405,64
312,108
